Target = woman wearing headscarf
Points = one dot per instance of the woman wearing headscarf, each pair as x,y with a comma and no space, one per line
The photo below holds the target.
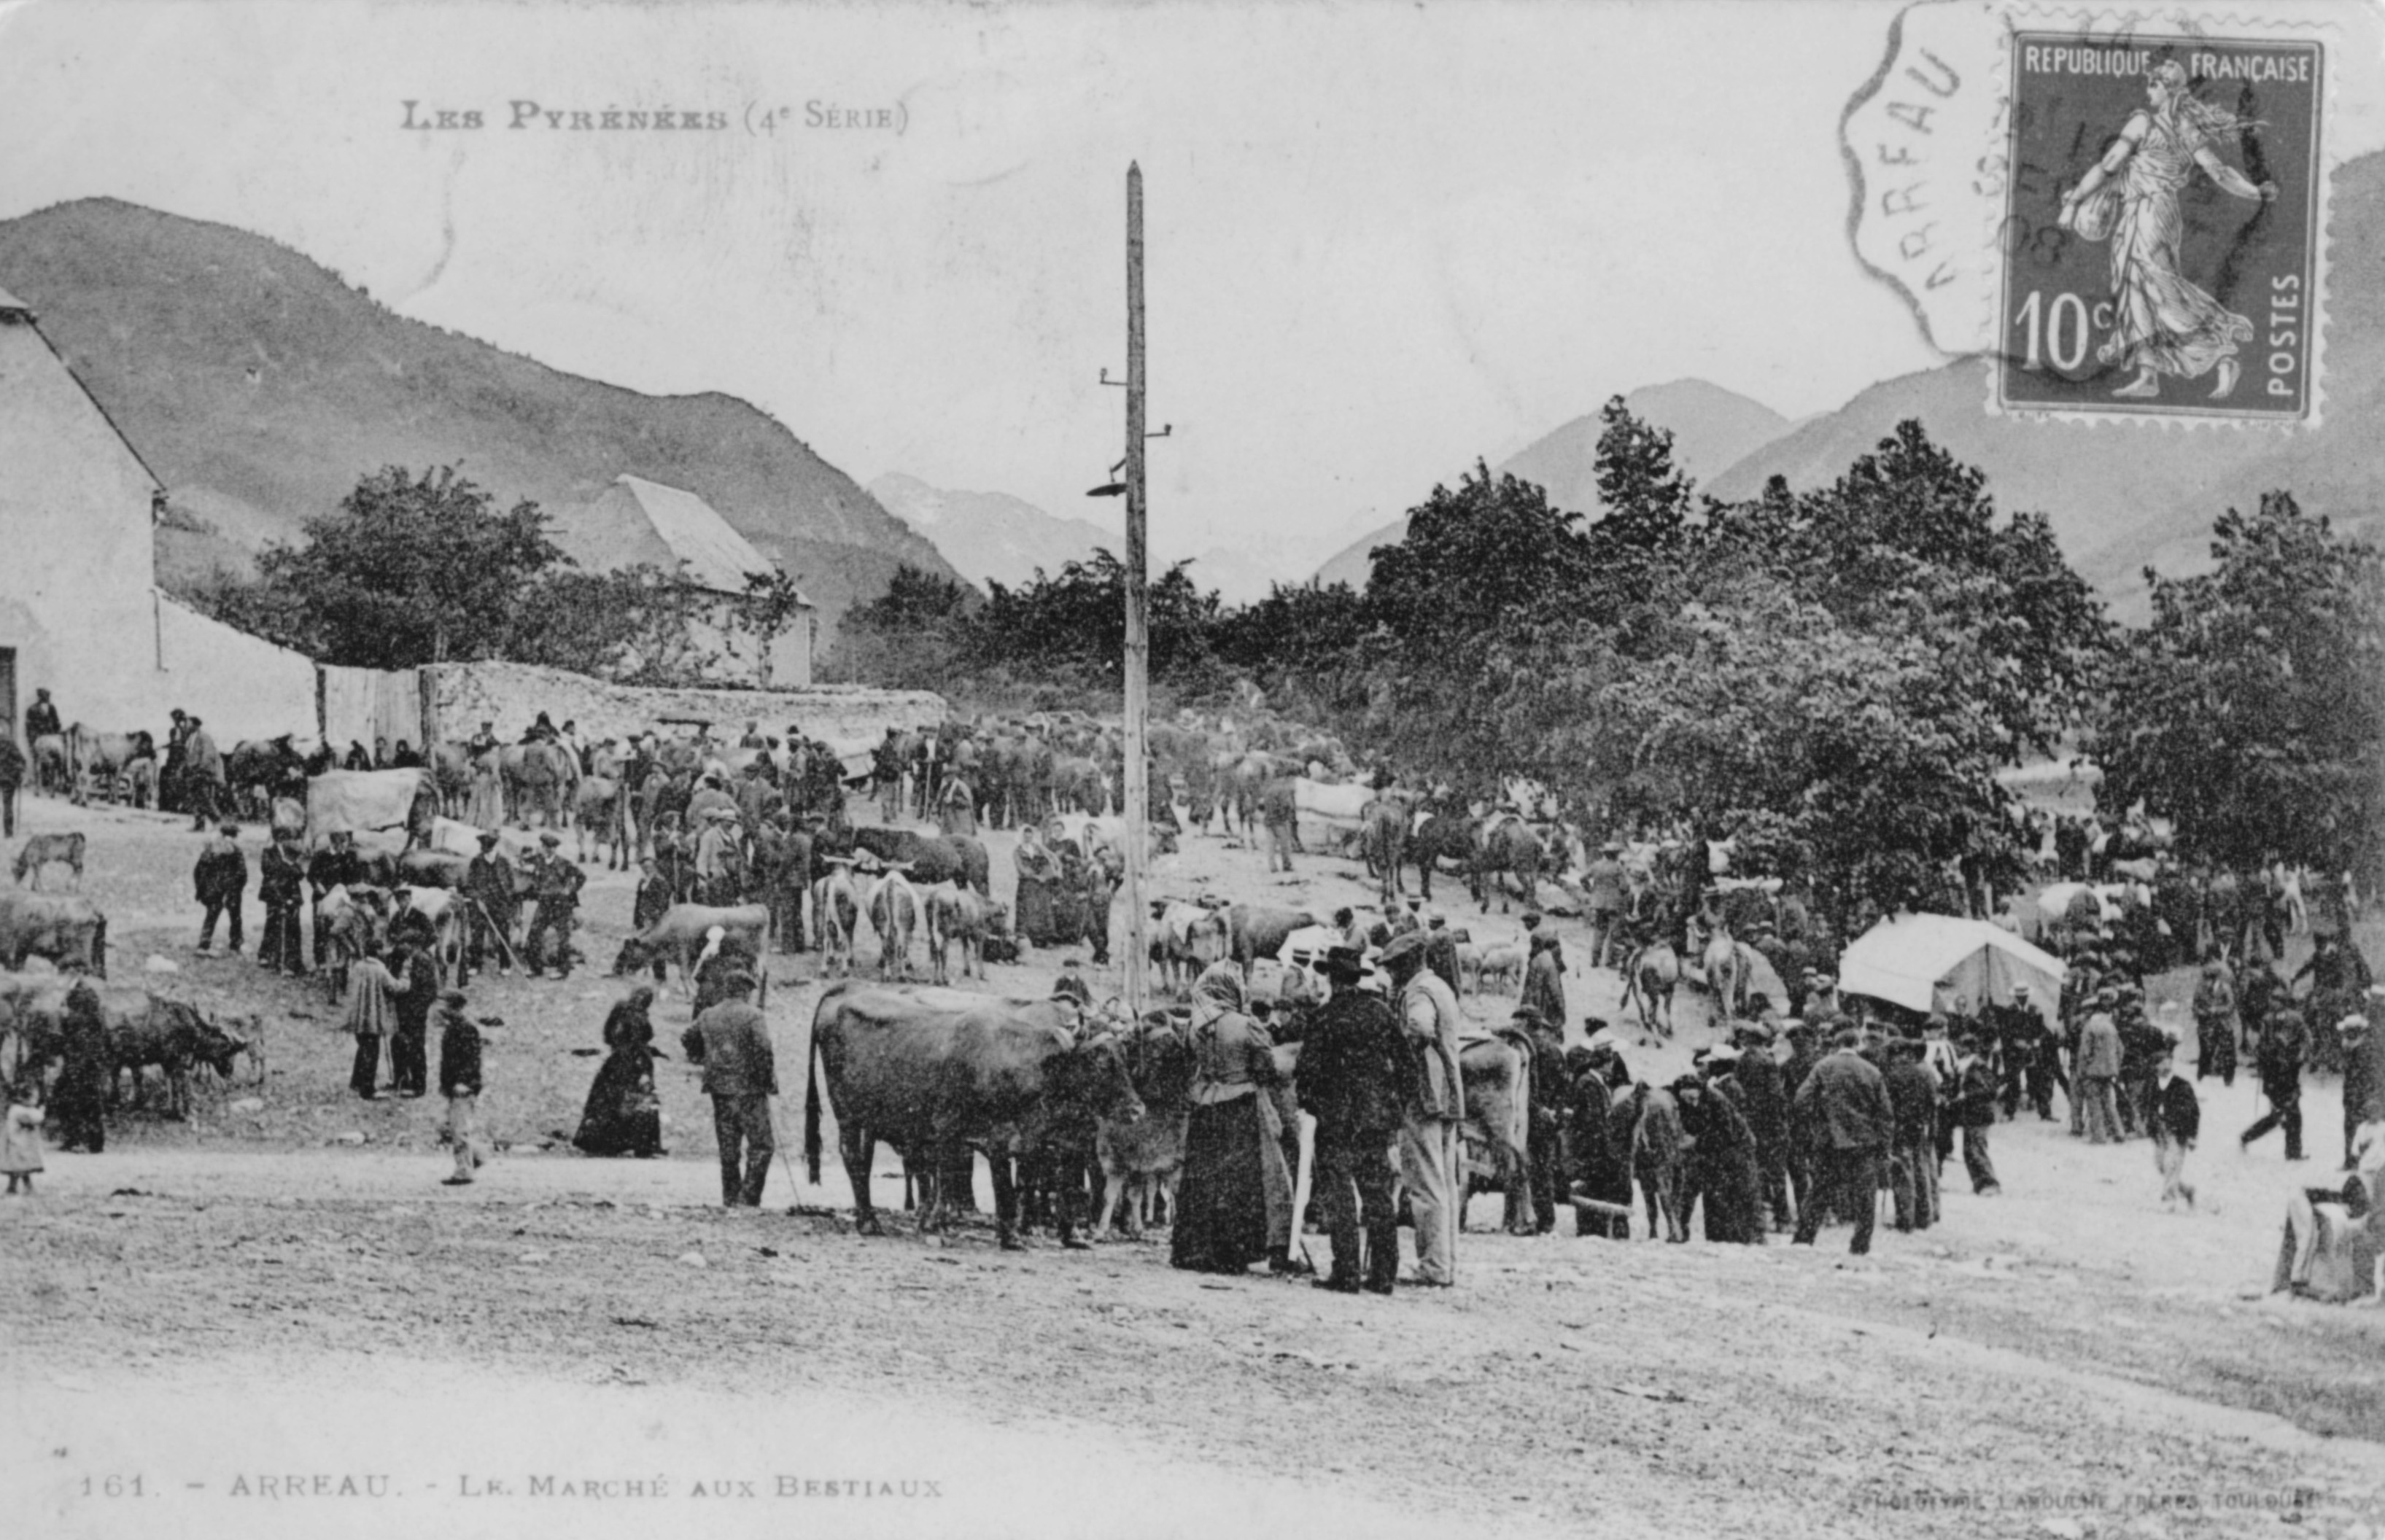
1234,1199
622,1116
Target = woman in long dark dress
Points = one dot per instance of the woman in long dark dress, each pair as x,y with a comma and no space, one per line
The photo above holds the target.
1234,1199
622,1116
1039,878
79,1099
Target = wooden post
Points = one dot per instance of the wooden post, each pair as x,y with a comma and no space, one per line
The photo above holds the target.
1136,793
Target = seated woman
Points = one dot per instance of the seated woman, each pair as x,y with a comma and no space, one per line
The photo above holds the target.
623,1116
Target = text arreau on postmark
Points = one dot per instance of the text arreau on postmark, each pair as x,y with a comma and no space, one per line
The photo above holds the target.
2124,219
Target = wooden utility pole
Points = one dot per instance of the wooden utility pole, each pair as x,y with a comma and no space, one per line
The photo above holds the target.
1136,793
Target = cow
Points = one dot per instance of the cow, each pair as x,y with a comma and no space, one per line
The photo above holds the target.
98,760
451,776
1188,938
936,1073
68,929
43,850
1657,1163
929,858
53,770
897,913
600,805
1141,1158
258,770
433,868
1256,931
443,908
836,914
1497,1131
173,1035
955,914
682,932
541,774
354,921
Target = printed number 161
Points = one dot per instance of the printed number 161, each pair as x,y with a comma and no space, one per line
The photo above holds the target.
112,1486
2059,333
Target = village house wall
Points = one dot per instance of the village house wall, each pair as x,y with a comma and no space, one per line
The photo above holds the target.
462,696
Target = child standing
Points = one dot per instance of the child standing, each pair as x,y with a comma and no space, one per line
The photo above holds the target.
2177,1121
21,1137
459,1082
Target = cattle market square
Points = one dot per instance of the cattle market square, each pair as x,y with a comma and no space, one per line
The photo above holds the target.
280,1191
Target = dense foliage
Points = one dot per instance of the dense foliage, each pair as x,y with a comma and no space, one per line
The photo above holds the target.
2251,711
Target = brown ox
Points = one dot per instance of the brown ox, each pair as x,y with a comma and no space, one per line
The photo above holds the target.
67,928
937,1072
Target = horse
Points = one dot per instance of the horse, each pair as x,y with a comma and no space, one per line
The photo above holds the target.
1651,975
1508,847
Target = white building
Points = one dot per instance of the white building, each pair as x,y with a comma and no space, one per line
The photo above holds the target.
80,613
637,522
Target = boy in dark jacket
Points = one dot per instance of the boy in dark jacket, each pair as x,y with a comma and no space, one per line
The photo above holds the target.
1974,1105
2177,1121
459,1082
1913,1148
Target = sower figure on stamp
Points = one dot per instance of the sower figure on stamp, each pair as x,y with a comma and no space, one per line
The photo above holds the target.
2161,323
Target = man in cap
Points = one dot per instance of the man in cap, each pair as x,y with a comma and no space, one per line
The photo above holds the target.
1357,1078
490,907
1843,1108
1429,1148
2284,1046
459,1082
2096,1069
1605,887
203,775
2214,1024
731,1042
1071,984
1913,1144
1441,950
218,880
555,885
717,863
1544,1132
1975,1112
280,883
335,865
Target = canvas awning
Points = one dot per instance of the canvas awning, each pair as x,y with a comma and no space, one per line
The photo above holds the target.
1903,960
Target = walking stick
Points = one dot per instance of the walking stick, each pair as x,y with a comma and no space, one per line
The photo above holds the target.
498,933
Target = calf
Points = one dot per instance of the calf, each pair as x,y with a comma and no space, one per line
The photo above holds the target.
43,850
442,908
682,932
172,1036
1503,962
1142,1158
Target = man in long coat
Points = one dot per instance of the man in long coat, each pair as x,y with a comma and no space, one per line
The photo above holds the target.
1843,1108
730,1040
1429,1148
203,775
1357,1077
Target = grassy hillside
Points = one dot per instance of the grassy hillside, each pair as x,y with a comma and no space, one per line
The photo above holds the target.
261,386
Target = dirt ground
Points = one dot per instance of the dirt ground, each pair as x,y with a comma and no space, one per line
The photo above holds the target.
260,1293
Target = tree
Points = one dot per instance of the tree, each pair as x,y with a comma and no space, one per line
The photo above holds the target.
770,604
409,570
2252,709
634,625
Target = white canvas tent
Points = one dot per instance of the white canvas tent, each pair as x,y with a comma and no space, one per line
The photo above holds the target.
1903,960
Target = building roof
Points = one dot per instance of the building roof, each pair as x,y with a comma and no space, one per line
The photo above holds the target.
9,302
637,520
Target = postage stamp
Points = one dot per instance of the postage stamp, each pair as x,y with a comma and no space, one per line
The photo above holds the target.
2161,243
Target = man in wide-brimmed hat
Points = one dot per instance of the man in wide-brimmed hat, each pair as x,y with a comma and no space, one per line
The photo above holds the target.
1357,1077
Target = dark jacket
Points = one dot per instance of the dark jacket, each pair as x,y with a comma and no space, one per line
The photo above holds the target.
558,883
327,869
281,873
2178,1110
490,880
1543,986
459,1055
220,872
2282,1047
419,973
731,1040
1357,1075
1844,1105
12,764
653,897
1765,1097
1912,1099
1975,1095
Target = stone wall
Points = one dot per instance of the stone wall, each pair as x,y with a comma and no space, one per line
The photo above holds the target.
462,696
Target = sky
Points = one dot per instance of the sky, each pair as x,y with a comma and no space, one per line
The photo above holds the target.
1383,239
